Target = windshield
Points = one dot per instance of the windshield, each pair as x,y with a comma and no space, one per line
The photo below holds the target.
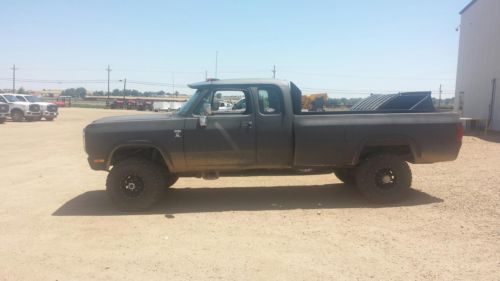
184,109
11,98
20,98
32,99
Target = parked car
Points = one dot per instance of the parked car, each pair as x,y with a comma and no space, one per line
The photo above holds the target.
63,101
271,135
115,104
20,110
49,110
144,105
4,112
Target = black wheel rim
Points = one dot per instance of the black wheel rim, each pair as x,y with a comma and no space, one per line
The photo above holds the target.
132,186
386,179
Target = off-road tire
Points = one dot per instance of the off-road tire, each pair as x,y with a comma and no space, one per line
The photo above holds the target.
2,120
371,173
148,176
17,115
49,118
346,175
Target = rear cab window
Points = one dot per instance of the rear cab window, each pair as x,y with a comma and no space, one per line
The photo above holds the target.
270,100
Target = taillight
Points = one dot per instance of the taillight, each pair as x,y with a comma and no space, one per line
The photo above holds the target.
459,132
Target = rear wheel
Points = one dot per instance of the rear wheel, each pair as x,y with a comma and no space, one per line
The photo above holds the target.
346,175
135,184
384,178
2,120
17,115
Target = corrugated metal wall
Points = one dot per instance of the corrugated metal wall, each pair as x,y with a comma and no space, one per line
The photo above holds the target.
479,61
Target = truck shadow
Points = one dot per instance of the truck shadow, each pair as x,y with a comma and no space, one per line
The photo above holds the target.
491,136
199,200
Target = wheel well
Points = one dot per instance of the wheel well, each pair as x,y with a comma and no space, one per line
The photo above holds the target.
149,153
403,151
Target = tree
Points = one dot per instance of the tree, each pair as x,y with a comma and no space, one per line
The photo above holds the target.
75,93
22,91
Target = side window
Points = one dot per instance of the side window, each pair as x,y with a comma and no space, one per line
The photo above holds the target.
3,100
224,101
270,100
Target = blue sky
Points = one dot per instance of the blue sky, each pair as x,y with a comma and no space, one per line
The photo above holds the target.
344,47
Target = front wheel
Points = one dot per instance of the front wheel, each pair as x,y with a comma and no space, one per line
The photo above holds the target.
384,178
17,115
49,118
135,184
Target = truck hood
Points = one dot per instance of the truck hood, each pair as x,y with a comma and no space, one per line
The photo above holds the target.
22,103
134,118
42,103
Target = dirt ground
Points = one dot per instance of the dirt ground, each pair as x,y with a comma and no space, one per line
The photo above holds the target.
56,222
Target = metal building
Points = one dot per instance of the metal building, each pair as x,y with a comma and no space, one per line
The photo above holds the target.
477,93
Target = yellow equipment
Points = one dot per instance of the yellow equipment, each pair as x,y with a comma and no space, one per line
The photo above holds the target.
314,102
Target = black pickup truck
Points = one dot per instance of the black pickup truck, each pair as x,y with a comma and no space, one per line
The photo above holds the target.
266,132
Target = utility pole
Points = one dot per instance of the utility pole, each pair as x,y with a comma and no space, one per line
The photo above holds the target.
173,84
440,92
14,79
124,86
216,62
109,70
274,71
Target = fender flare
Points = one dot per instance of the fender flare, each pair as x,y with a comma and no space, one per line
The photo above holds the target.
391,140
141,144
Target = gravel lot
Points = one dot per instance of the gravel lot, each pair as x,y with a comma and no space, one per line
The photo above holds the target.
56,223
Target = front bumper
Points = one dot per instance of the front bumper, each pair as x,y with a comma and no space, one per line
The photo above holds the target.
35,114
50,114
96,164
4,114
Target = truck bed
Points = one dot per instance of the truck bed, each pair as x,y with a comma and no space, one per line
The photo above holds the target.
341,138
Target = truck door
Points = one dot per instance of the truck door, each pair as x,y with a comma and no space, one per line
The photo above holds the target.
274,128
228,137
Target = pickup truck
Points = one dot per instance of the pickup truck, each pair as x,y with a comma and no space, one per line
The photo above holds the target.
270,135
49,110
20,110
4,112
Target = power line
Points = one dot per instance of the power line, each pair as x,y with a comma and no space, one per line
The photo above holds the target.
365,77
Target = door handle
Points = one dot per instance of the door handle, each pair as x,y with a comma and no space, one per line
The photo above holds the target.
246,124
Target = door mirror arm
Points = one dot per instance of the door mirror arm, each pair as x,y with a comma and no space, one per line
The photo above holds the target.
202,120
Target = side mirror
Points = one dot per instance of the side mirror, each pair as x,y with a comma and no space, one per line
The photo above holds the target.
202,121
